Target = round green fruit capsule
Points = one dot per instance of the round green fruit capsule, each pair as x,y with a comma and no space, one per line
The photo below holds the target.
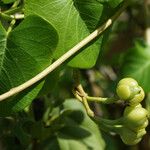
128,81
128,141
129,137
135,116
123,91
141,133
137,98
143,126
127,88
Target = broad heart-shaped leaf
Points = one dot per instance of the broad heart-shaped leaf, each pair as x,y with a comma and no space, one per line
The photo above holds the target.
74,20
80,131
25,52
137,64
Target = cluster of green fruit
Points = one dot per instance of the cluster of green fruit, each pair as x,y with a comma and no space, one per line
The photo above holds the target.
131,126
135,117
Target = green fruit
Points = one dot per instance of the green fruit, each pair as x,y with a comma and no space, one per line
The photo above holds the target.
123,91
135,116
137,98
129,137
140,133
129,90
143,126
130,141
128,81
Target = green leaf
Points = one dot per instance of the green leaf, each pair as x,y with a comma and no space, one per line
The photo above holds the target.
25,52
38,131
137,64
114,3
8,1
74,20
80,130
23,137
48,88
20,101
67,143
50,143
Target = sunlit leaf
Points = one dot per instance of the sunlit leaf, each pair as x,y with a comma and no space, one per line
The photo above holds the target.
25,52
